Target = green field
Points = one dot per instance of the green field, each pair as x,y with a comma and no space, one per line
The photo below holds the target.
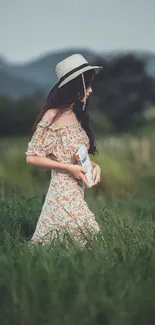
111,281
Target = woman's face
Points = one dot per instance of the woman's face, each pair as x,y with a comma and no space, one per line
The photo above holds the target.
88,92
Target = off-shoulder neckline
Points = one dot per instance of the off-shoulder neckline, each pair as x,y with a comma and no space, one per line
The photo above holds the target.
60,125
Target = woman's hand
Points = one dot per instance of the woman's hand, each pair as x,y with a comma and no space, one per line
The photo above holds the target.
96,171
79,173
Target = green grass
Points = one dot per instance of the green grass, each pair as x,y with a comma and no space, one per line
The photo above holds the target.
111,281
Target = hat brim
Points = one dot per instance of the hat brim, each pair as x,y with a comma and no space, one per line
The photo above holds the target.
97,69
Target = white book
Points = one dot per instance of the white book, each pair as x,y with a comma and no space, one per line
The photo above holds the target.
83,159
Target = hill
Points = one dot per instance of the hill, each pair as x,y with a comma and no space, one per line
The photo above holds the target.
15,87
22,79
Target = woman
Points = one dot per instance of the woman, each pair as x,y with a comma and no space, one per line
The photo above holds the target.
53,146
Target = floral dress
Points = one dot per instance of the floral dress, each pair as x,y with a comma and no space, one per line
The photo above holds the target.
64,208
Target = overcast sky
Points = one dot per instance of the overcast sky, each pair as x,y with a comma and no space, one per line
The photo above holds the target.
29,28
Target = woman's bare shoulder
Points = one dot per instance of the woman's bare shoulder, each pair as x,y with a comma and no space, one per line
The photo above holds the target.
49,115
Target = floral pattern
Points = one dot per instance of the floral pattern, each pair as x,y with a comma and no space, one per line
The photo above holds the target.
64,208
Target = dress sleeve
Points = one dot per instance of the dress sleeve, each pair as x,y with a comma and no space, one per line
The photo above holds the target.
43,140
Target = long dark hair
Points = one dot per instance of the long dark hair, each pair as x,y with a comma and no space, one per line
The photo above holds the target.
62,98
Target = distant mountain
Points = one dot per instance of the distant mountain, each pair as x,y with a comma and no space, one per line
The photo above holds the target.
22,79
15,87
40,73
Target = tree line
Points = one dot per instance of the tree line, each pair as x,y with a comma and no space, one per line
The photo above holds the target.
124,89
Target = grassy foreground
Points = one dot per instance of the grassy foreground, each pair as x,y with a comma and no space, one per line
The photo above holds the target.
108,282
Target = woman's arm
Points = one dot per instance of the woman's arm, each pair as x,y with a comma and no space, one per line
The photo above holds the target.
44,162
96,172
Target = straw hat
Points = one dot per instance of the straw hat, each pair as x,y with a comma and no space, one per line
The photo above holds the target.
71,67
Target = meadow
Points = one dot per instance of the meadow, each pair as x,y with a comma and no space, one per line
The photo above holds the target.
111,281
